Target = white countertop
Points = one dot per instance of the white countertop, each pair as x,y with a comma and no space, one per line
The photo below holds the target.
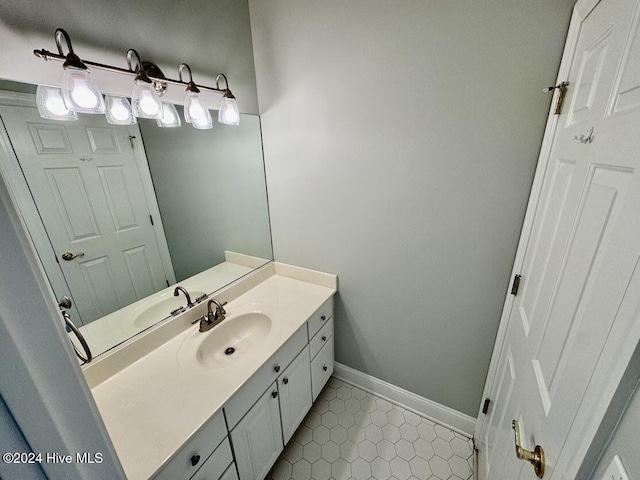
153,406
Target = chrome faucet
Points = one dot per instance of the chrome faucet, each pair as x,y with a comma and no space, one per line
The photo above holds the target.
179,289
213,317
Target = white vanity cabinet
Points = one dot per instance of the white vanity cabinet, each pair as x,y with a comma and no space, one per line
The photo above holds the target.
294,387
257,438
262,422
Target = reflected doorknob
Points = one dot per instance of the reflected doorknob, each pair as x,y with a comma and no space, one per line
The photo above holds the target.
68,256
535,458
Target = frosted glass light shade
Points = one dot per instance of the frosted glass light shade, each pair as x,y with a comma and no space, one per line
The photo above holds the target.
145,100
51,104
80,93
169,117
194,109
119,111
229,113
203,123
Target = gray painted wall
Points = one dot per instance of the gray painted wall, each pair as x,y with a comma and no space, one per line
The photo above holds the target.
211,191
400,144
13,441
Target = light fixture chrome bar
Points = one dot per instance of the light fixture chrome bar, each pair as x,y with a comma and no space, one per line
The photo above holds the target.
47,55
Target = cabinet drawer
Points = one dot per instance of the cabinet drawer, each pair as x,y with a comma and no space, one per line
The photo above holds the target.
216,464
201,444
321,338
322,368
320,317
242,401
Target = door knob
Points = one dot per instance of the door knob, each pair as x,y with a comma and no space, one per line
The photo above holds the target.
65,303
70,256
535,458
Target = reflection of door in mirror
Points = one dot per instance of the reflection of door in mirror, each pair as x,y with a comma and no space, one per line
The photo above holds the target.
86,179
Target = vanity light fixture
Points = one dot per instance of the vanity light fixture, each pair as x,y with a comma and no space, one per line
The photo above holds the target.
51,104
195,112
169,117
81,94
119,111
145,100
228,113
79,91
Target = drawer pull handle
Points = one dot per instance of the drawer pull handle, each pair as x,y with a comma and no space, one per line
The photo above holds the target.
285,380
323,317
324,368
324,338
194,460
274,394
276,368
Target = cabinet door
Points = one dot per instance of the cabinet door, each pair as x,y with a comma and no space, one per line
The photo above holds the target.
294,386
257,438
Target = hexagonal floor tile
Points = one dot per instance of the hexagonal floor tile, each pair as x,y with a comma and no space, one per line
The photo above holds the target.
350,434
341,469
321,470
380,469
360,469
386,450
330,452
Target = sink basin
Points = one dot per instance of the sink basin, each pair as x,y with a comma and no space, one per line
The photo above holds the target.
161,308
233,338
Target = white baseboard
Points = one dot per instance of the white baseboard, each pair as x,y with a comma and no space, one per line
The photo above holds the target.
448,417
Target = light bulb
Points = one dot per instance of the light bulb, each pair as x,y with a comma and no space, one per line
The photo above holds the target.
56,105
229,113
204,123
169,117
83,95
145,100
194,110
80,93
119,111
149,104
51,105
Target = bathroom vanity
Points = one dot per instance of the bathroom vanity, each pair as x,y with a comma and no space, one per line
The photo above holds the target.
183,404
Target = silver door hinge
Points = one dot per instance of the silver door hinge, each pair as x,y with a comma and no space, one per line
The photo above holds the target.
516,284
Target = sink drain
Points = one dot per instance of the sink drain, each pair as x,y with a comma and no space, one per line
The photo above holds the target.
229,351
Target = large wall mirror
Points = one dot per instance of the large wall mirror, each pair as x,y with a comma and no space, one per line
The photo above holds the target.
121,215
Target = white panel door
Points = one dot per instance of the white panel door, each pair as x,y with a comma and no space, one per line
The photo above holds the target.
576,306
257,438
85,181
294,387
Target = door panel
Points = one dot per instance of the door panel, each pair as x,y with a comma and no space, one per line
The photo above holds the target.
544,260
72,202
118,198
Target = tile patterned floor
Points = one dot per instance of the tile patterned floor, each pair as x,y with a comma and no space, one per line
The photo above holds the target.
352,434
